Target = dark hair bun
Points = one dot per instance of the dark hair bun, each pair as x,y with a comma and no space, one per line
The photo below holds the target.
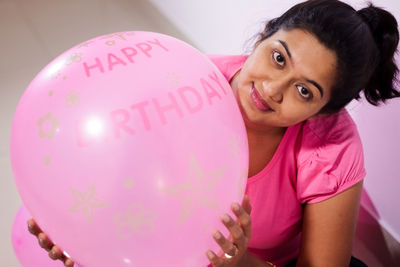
384,30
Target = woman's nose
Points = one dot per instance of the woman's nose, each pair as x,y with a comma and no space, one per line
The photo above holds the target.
273,90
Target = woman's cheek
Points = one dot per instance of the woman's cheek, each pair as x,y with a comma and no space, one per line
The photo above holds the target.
289,116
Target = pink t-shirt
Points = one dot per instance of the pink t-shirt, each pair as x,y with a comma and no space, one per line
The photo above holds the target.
314,161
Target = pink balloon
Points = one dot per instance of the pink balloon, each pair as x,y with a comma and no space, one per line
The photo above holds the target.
127,148
26,246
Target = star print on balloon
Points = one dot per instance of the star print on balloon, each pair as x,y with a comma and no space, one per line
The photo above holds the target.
86,202
128,183
118,36
134,220
47,160
173,78
47,126
197,190
74,58
72,99
235,146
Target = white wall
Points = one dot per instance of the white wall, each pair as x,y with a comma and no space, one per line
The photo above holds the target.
220,26
223,27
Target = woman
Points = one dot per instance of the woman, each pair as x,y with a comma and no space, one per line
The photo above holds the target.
306,161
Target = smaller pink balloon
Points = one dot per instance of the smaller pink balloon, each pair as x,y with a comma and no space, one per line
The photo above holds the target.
26,247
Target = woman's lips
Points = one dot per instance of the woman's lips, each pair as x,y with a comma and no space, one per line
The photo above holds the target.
258,101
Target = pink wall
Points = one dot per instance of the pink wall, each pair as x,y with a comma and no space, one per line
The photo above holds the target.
379,128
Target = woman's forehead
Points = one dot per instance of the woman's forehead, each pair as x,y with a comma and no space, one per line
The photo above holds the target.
306,55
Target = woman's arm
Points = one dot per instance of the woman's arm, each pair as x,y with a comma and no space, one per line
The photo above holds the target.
328,230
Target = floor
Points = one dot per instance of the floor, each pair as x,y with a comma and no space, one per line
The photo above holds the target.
34,32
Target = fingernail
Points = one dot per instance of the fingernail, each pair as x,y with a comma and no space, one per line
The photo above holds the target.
217,235
225,218
210,255
235,206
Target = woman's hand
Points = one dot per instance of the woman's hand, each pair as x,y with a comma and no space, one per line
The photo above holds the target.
234,248
55,252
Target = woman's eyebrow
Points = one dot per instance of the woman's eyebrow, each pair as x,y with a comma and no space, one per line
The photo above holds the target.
319,87
286,48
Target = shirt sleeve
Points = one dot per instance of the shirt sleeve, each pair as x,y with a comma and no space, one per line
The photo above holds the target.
333,164
228,64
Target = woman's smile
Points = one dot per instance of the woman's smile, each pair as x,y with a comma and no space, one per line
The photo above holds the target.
258,101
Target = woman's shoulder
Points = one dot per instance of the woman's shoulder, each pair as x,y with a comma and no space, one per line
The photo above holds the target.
228,64
329,157
333,132
332,127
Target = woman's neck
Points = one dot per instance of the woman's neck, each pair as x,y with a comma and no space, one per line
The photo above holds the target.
262,147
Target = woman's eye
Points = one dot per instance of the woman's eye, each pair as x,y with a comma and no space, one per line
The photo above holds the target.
304,92
279,59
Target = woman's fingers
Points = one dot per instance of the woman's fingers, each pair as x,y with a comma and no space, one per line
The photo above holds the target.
226,246
33,227
44,241
243,218
69,263
56,254
236,233
246,204
214,259
235,246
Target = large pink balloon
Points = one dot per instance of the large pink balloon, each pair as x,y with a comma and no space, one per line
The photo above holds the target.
127,148
26,246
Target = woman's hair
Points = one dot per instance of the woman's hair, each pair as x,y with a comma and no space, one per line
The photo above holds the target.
364,41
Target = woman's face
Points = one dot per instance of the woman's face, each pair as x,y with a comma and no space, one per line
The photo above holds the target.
287,79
